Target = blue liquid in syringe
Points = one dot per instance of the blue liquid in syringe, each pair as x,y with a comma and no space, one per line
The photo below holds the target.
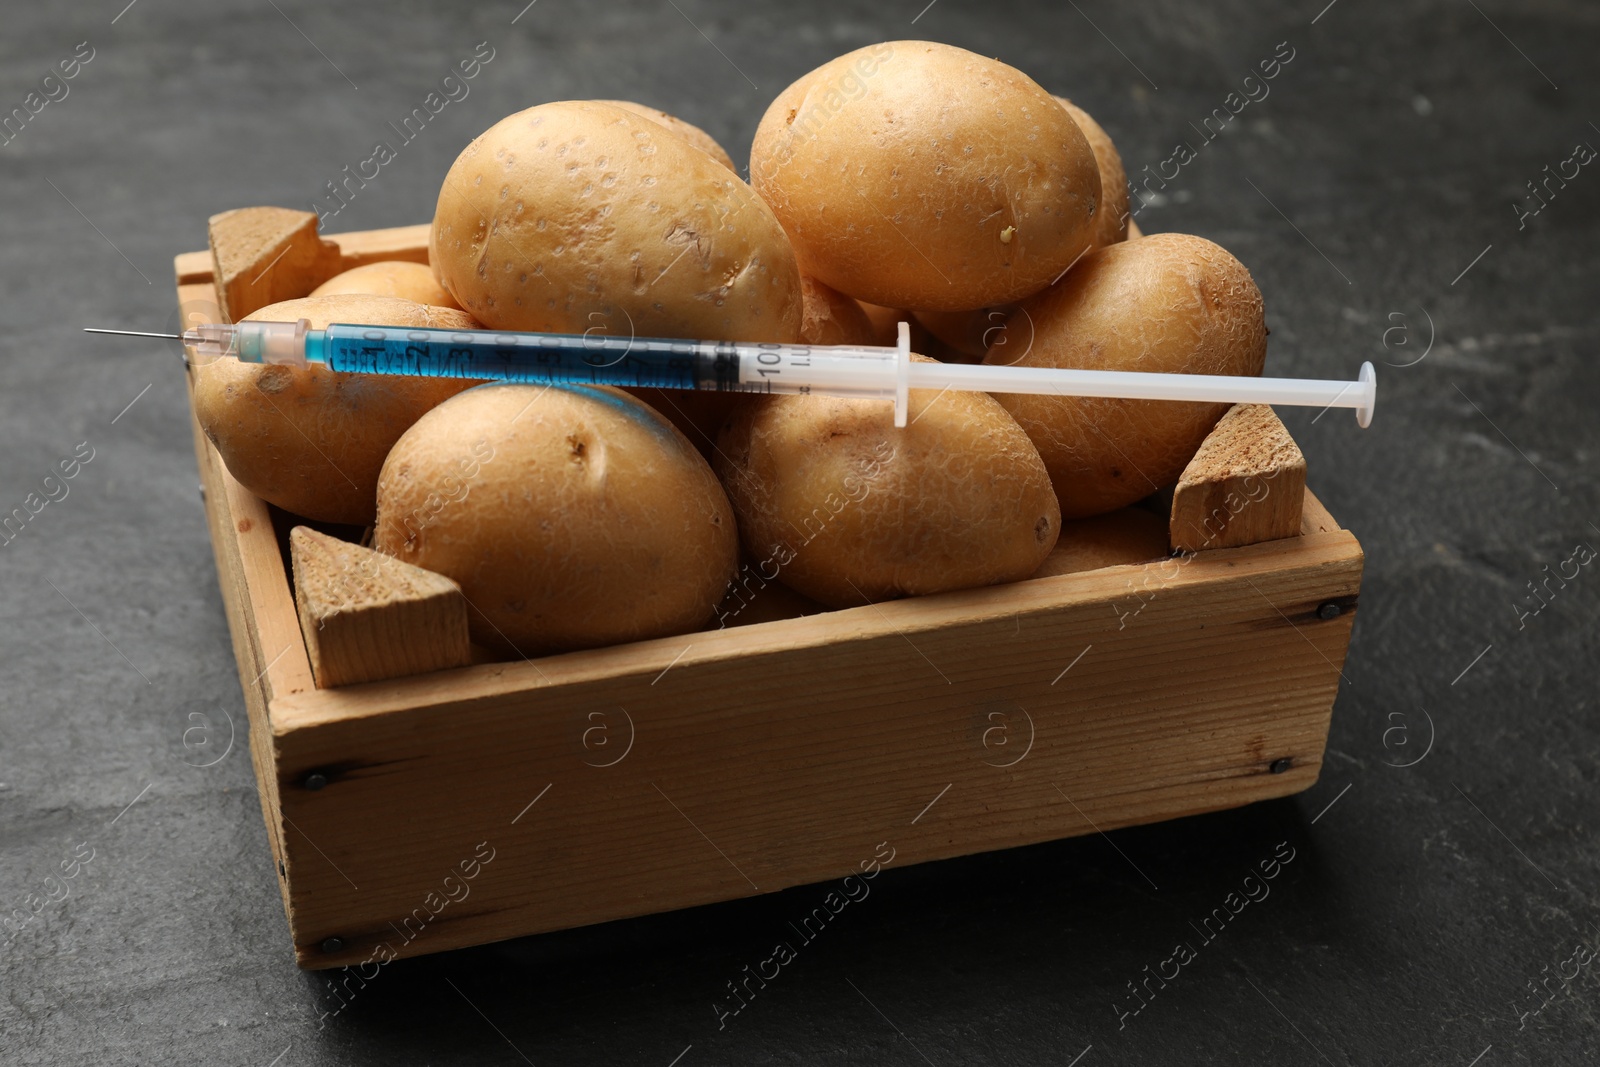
537,359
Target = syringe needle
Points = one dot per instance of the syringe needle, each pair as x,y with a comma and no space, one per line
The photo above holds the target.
135,333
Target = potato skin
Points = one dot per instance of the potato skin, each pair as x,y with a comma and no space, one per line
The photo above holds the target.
886,322
697,413
846,509
831,318
390,277
1167,302
687,130
573,517
578,215
307,439
1111,220
920,175
965,335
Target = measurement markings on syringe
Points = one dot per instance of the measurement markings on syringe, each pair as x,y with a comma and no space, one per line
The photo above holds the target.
762,375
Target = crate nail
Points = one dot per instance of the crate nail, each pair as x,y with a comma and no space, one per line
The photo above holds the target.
333,944
1281,765
1329,610
314,781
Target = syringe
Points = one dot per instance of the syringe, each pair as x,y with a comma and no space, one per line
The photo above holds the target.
861,371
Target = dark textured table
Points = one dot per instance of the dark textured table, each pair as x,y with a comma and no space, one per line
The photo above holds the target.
1439,906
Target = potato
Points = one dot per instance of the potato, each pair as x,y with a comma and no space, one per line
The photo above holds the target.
687,130
577,216
886,322
966,334
572,517
697,413
1111,220
844,508
390,277
1167,302
920,175
307,439
831,318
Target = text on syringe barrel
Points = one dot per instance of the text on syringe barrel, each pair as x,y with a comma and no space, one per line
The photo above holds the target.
597,359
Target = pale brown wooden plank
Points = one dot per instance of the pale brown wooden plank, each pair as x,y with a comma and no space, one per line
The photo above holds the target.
356,249
254,668
192,268
366,616
262,255
1245,484
797,745
911,616
1315,519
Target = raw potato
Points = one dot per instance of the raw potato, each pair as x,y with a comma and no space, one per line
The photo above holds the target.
920,175
572,517
967,334
579,216
687,130
846,509
1111,221
1167,302
697,413
307,439
392,277
831,318
886,328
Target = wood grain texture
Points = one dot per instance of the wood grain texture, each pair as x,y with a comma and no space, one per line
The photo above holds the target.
1244,485
357,249
366,616
255,595
795,746
261,255
1314,518
193,267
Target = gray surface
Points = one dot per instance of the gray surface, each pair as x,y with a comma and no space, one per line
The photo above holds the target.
1418,906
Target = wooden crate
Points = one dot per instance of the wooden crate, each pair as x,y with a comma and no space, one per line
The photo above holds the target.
464,806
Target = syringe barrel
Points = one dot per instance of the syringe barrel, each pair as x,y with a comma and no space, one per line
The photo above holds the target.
600,359
530,358
858,371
